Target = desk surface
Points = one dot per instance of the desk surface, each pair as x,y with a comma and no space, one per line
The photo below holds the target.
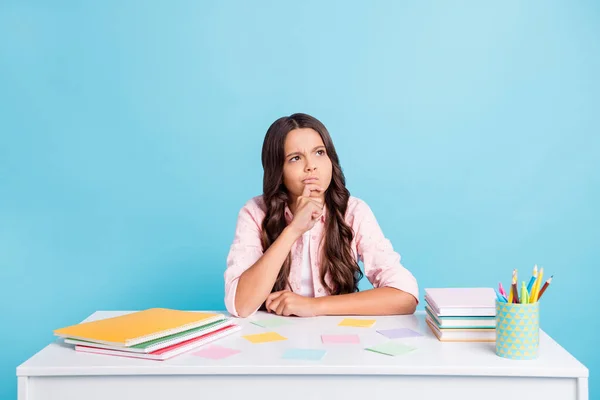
432,357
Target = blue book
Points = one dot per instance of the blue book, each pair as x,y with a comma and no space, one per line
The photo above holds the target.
461,322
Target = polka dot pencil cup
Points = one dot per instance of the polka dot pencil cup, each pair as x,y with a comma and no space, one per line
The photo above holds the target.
517,330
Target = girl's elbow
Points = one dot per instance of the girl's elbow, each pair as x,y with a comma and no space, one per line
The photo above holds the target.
241,311
244,310
408,303
244,313
411,307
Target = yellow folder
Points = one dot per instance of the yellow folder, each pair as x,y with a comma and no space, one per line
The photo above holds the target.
138,327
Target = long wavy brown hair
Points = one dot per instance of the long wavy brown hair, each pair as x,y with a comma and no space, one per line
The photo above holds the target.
337,260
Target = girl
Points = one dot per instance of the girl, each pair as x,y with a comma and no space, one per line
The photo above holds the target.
296,247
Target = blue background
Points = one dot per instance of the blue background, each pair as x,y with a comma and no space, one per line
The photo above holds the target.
131,136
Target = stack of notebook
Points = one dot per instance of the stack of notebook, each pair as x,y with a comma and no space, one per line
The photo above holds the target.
462,314
156,333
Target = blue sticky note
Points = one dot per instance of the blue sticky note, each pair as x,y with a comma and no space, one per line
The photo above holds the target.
304,354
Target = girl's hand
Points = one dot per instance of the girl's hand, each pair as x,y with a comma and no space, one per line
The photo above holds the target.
309,208
288,303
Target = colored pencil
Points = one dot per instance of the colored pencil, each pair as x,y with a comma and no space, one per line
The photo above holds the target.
548,282
535,291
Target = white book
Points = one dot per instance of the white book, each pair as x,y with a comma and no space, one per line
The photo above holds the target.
462,302
461,335
167,352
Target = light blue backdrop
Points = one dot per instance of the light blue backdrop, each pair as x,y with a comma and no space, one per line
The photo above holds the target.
131,136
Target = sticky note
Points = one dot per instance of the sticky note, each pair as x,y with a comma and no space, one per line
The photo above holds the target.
216,352
358,323
264,337
340,339
392,348
271,322
304,354
399,333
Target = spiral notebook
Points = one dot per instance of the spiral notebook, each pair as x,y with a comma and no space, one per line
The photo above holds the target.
138,327
167,352
157,344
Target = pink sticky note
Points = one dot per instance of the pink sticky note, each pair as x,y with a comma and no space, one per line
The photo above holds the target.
215,352
340,339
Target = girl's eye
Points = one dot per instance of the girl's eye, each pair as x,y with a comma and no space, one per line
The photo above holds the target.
321,152
295,158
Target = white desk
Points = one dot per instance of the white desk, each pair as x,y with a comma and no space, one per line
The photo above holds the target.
435,370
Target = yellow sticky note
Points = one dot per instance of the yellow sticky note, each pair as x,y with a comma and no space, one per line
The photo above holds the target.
358,323
264,337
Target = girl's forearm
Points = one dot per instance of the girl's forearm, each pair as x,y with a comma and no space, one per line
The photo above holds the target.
380,301
256,282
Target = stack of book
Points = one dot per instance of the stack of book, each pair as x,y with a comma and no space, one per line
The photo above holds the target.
462,314
155,334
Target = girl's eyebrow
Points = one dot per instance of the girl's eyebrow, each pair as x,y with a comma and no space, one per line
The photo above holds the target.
297,152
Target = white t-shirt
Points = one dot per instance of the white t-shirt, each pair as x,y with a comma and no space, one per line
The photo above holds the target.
306,280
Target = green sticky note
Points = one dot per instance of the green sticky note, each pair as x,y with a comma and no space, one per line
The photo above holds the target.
271,322
392,348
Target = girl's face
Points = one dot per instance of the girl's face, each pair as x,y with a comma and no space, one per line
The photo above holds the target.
306,161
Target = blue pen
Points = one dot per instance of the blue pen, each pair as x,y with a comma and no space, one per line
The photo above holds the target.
501,298
533,278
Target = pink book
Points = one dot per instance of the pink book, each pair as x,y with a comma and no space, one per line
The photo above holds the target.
459,302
